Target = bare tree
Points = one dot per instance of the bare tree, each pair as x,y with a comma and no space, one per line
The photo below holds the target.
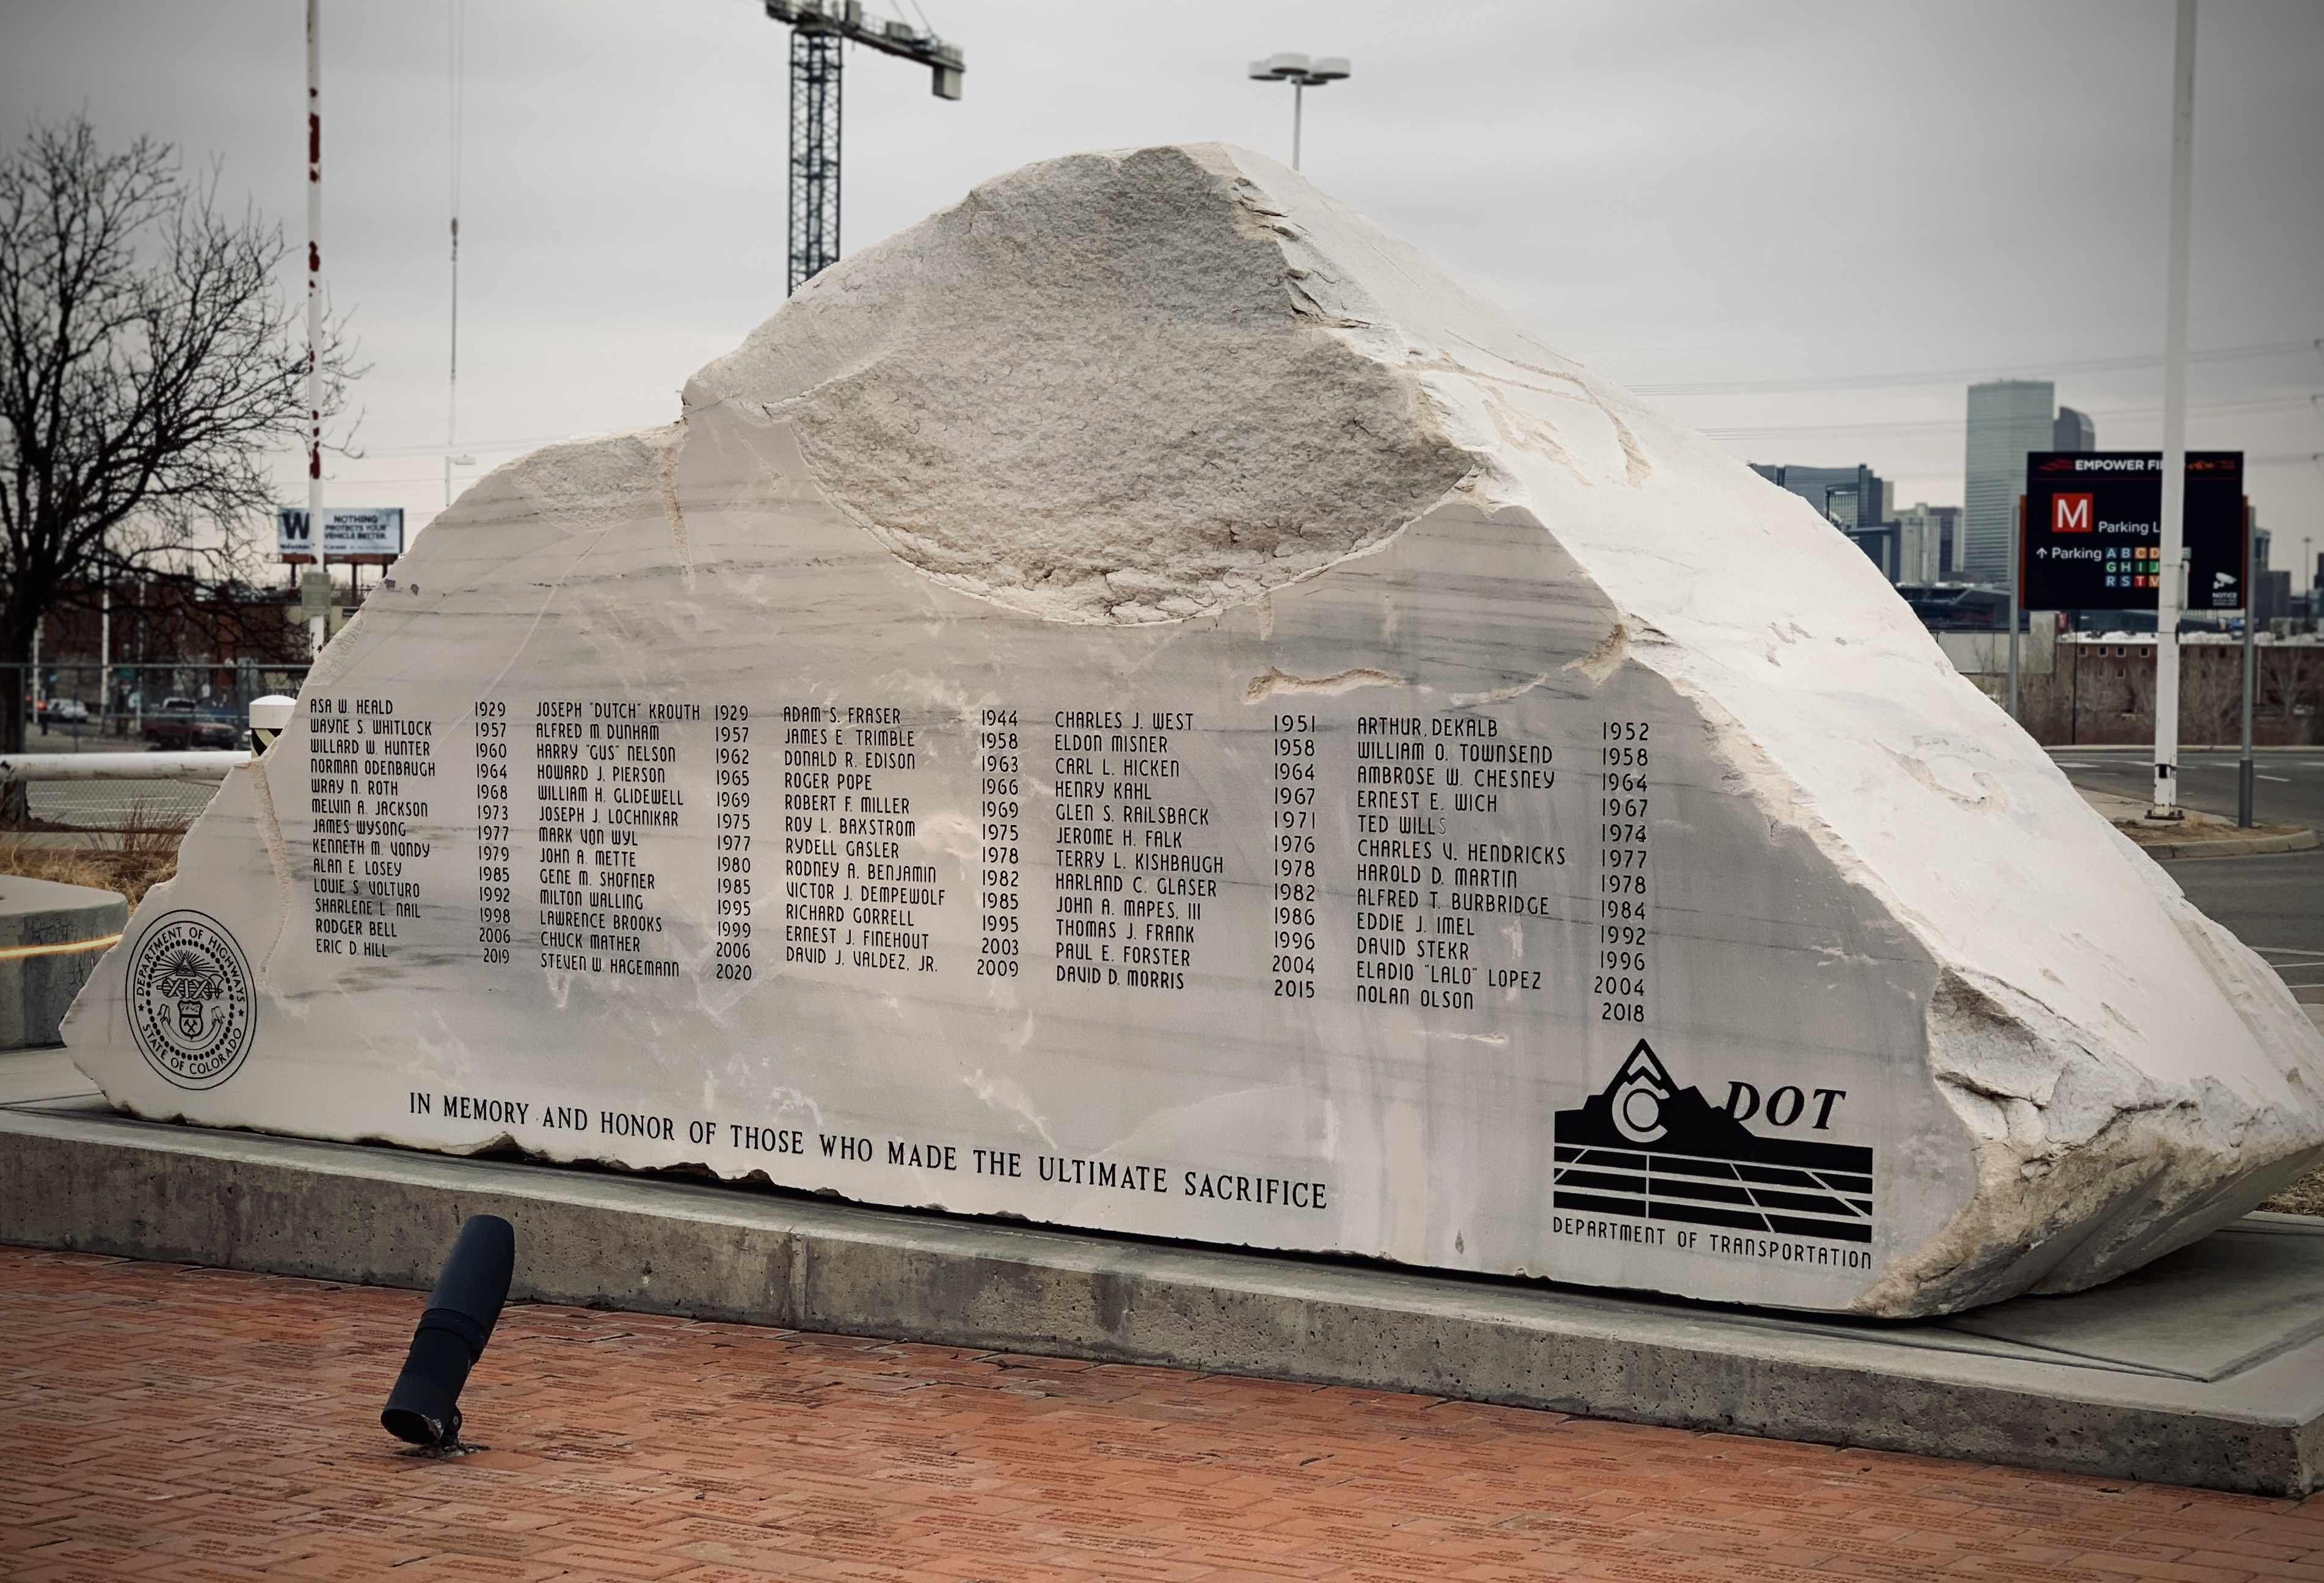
2210,694
147,368
2138,688
2283,669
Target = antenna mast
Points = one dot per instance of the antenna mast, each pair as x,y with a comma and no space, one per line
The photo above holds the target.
459,73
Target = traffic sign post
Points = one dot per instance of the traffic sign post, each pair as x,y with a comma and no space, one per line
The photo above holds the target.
320,535
2244,768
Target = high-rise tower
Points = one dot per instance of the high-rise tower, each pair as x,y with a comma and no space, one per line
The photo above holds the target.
2008,419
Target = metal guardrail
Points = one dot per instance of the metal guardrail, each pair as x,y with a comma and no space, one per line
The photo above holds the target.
193,764
96,792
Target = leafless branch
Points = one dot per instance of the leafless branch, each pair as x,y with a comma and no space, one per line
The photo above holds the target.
148,367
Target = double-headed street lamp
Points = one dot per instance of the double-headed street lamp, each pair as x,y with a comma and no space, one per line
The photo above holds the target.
1302,73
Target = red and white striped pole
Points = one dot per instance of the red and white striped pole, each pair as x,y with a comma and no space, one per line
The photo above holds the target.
319,625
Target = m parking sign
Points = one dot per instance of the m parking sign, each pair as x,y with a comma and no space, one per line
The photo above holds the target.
2093,536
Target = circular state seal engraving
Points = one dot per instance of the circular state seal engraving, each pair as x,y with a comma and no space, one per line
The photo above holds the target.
190,999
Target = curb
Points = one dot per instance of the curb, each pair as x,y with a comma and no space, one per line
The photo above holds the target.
2233,846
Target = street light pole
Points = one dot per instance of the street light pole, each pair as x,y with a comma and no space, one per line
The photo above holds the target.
456,96
1302,73
2171,595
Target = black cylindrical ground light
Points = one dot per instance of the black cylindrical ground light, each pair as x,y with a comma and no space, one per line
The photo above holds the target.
424,1408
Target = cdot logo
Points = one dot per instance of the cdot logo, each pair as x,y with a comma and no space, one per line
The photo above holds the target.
2072,514
1646,1148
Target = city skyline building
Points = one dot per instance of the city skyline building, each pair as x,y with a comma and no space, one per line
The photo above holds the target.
2073,431
1926,539
2008,420
1848,497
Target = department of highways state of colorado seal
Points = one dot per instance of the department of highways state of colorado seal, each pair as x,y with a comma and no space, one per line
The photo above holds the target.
189,1008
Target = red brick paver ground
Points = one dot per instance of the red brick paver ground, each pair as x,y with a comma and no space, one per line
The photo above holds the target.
160,1422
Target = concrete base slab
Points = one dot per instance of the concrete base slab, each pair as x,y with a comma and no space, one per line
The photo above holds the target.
2206,1368
30,1076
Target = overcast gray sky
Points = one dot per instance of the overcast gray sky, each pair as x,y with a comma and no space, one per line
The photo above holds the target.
1802,205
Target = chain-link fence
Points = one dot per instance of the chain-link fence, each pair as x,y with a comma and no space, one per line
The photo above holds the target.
114,804
81,707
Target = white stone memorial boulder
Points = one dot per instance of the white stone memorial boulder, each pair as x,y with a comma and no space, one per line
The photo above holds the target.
1140,704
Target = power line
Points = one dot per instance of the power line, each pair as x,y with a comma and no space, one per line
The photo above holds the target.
1870,381
1954,425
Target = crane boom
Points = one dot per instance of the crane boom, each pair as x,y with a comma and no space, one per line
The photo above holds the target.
818,28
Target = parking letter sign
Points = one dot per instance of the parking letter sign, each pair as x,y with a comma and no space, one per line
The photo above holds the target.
2072,514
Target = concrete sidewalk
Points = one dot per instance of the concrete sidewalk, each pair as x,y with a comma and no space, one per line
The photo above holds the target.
160,1422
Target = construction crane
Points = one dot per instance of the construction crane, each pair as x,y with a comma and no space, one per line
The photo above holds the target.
818,28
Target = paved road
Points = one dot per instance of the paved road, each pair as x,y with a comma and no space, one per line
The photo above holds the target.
79,739
2290,789
2274,905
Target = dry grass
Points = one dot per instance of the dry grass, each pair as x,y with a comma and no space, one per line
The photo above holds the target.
2303,1197
135,861
2191,830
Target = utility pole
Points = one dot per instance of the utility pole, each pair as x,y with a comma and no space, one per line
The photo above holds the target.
1302,73
2171,596
458,96
818,28
2017,590
105,655
2245,770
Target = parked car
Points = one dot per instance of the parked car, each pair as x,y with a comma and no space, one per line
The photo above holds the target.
63,712
184,724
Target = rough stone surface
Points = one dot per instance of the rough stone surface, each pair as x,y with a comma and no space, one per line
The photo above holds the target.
1175,401
1156,497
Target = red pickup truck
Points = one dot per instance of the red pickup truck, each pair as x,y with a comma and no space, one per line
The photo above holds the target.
183,723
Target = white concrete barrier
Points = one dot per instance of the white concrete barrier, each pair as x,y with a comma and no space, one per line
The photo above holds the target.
193,764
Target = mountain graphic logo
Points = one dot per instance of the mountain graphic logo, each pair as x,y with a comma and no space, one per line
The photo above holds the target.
1646,1149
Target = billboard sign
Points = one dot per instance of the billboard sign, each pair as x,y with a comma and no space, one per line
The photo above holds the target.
349,533
2093,537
